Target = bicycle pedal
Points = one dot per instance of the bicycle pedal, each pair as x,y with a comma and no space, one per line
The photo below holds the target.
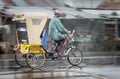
60,57
53,58
30,56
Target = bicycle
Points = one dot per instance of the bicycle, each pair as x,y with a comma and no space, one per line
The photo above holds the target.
29,52
74,54
36,56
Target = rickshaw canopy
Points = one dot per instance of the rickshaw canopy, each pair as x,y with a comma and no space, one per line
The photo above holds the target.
35,23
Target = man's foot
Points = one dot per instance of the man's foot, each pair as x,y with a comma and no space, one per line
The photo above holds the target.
60,54
53,58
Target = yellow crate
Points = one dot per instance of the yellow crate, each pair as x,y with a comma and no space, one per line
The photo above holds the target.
36,48
33,48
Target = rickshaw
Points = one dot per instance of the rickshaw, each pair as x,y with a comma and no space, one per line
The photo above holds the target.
29,50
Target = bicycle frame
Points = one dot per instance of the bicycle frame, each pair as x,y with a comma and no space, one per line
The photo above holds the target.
69,43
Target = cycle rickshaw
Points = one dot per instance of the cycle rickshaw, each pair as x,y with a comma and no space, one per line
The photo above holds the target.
29,50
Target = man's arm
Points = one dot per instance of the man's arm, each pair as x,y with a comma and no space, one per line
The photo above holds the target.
60,27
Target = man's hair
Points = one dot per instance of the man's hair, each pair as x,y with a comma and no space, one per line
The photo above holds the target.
54,8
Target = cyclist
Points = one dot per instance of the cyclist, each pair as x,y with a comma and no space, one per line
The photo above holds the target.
57,31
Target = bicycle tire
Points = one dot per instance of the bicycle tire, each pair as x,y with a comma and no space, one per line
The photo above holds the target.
74,56
35,60
20,59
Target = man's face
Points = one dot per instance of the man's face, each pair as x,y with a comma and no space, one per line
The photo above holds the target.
58,13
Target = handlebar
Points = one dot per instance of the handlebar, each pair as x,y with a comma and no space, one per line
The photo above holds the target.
70,35
73,31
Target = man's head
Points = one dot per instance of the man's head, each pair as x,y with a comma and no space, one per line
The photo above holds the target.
57,12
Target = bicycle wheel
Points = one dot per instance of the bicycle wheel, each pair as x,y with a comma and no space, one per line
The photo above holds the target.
20,58
74,56
35,58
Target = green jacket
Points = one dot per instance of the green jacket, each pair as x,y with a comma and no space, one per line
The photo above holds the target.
56,29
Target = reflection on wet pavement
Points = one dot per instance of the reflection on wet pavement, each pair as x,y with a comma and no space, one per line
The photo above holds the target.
57,69
48,75
71,72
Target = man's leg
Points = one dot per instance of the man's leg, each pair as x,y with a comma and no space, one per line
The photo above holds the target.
62,47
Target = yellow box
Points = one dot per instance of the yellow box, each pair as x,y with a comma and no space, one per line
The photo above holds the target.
32,48
36,48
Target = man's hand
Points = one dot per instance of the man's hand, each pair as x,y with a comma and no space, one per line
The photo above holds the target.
69,32
70,35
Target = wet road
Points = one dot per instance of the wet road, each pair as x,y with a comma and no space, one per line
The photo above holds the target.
54,69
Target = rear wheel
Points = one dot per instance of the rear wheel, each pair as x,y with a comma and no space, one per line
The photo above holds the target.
20,58
35,58
74,56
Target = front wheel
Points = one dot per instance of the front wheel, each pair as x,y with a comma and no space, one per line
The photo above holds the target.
74,56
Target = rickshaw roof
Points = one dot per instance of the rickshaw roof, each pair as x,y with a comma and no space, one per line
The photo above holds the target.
70,12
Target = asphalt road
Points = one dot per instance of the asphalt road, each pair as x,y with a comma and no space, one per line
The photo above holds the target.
56,69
